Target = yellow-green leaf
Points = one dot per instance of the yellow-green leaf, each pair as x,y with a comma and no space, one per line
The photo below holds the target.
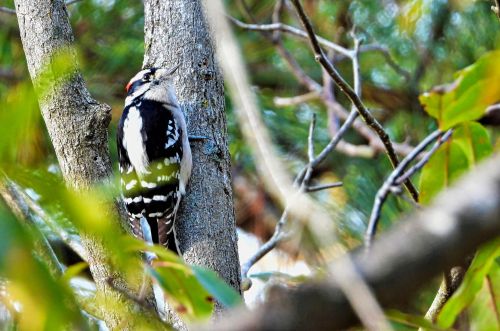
471,285
411,320
217,287
183,291
475,88
474,140
448,163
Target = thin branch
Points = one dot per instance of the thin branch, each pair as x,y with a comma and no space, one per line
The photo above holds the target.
7,10
344,53
384,191
310,139
351,94
296,100
496,8
292,30
493,296
402,260
410,172
374,145
263,250
322,187
11,196
41,217
70,2
388,58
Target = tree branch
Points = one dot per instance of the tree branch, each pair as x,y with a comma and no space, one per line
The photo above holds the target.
400,261
397,175
76,123
351,94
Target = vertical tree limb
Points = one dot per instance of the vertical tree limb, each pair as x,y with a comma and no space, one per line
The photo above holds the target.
176,33
77,124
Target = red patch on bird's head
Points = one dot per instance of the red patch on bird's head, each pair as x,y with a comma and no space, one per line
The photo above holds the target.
128,86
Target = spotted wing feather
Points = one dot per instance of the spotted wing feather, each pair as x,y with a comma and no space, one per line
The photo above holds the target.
154,194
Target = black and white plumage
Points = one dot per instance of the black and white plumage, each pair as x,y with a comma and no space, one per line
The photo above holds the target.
154,154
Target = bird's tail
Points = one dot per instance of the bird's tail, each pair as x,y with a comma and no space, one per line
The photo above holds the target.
166,233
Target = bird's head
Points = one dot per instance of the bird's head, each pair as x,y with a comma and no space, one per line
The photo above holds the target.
152,84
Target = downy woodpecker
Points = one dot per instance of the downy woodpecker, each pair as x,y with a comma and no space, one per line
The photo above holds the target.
154,154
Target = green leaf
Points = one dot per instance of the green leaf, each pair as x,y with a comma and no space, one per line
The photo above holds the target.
411,320
484,310
182,290
469,144
412,12
475,88
73,271
448,163
265,276
224,293
471,285
474,140
47,304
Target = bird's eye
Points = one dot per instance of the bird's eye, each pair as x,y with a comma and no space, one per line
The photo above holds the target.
146,77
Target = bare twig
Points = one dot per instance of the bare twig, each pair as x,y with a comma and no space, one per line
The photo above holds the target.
263,250
493,295
292,30
384,191
374,145
7,10
388,58
296,100
310,139
41,217
402,260
322,187
11,196
351,94
343,52
496,8
423,160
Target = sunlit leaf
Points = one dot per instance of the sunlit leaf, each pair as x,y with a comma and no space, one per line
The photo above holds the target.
484,312
19,121
182,290
411,13
469,144
474,140
266,276
45,304
224,293
447,164
475,88
471,284
412,320
74,271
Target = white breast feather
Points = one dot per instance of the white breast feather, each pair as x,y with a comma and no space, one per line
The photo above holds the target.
133,142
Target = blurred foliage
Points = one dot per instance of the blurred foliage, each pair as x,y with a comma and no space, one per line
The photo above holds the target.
456,106
483,269
436,41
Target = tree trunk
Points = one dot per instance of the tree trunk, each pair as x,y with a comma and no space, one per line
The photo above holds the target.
176,33
77,124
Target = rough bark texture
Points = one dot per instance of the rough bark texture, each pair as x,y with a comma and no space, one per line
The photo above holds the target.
176,33
77,124
399,262
72,117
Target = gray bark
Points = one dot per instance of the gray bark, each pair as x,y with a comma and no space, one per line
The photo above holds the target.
176,33
77,124
399,262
